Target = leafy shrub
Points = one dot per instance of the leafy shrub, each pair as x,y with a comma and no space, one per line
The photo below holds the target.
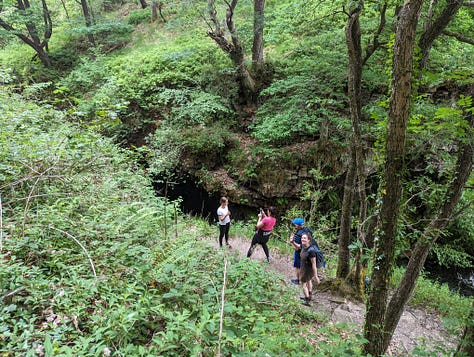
293,113
139,16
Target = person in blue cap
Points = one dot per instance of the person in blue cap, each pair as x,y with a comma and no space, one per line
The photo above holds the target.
295,241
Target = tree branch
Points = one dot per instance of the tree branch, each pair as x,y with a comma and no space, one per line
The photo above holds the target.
80,244
371,48
459,37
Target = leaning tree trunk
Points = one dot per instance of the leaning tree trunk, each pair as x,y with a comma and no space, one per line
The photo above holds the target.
434,28
453,194
250,81
395,153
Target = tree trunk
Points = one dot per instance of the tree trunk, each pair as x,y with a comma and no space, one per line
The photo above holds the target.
395,152
353,42
434,28
257,47
154,11
248,87
33,38
431,233
343,261
88,18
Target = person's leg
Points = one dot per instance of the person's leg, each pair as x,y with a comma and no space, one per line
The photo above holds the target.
226,233
297,266
265,249
252,245
221,233
306,292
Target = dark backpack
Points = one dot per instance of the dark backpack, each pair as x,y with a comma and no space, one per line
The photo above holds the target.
320,261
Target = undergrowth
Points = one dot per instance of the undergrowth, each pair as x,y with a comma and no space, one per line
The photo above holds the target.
93,264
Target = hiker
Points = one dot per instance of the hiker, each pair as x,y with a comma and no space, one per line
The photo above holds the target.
295,241
309,271
266,222
223,215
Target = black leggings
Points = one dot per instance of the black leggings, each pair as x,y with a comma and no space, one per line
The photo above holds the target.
224,232
260,237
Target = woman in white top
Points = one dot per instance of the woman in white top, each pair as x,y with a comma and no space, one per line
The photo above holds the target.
223,214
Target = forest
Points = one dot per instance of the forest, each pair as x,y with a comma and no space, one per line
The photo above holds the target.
357,116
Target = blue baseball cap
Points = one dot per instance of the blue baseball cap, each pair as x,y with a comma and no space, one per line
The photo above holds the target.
298,221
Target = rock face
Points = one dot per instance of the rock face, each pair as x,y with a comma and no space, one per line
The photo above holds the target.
259,177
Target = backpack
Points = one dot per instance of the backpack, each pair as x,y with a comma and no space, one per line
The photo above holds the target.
320,261
310,232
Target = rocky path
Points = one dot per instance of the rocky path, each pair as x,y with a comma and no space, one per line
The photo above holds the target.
416,326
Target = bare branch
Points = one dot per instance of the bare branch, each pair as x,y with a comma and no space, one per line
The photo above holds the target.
221,319
79,243
371,48
459,37
10,294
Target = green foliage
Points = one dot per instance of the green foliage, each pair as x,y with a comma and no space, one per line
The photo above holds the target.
438,297
129,290
292,112
191,107
139,16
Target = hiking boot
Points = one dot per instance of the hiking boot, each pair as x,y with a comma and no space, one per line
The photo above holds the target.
307,302
268,260
295,281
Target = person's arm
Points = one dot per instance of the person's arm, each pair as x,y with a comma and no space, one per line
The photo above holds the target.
295,245
315,270
223,216
260,221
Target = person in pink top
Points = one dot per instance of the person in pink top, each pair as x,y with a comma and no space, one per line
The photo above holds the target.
266,222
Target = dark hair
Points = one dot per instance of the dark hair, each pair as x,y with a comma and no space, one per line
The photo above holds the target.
223,199
272,210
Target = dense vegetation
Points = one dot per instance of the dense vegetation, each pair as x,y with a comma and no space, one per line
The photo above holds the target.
94,263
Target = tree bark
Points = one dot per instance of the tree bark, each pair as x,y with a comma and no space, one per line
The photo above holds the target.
395,152
434,28
353,42
154,11
431,233
343,261
250,80
257,47
88,19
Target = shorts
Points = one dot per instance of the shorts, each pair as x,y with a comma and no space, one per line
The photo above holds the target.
297,259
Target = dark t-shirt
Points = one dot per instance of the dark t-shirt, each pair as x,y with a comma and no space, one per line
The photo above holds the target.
306,273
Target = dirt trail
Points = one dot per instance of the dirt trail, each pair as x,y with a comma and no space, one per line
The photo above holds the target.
416,327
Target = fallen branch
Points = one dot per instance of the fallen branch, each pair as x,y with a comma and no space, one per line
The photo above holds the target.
79,243
221,319
10,294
